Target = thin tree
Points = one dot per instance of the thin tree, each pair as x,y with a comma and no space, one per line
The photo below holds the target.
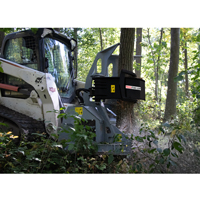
186,68
170,106
76,49
138,52
125,113
183,43
156,62
2,35
101,39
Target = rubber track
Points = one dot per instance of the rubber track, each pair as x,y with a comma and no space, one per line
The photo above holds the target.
25,122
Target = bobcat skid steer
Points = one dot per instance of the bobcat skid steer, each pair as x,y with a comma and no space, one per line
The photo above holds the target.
37,75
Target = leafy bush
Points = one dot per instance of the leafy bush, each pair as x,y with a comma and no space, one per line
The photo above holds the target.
150,154
47,155
149,157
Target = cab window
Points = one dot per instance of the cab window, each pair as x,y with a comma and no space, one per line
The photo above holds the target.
22,51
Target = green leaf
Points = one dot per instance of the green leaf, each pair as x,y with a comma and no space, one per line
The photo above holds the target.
81,158
161,161
164,44
182,138
178,138
150,143
182,73
152,165
70,147
161,129
38,134
159,150
61,115
3,124
152,134
88,127
139,167
172,162
168,164
34,30
166,124
178,146
139,139
166,152
110,158
178,78
151,151
155,142
148,138
1,69
174,154
150,61
102,167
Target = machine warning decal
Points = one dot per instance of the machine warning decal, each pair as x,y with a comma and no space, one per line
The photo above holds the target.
38,80
79,110
52,89
133,87
112,88
48,78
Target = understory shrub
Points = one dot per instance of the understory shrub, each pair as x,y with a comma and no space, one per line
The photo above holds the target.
165,150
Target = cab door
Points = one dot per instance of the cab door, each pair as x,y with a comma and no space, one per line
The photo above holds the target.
21,50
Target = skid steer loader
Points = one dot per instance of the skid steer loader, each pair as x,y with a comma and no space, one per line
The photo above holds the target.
37,76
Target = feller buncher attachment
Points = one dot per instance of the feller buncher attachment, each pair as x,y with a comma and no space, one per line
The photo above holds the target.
37,75
100,87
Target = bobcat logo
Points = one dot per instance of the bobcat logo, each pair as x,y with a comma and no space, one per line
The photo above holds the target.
39,80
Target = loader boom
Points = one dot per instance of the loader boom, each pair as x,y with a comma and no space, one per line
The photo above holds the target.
41,100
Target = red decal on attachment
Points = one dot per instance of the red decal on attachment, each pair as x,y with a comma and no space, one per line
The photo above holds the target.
131,87
52,89
128,87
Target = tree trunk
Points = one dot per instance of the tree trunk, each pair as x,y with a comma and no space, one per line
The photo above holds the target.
186,67
138,52
125,114
76,50
101,39
158,66
170,106
157,75
2,35
154,63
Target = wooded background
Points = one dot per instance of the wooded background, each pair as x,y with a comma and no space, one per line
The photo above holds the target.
169,66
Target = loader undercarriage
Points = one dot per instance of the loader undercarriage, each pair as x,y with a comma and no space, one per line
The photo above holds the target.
19,123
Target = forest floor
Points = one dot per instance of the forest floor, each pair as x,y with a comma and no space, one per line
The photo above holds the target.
187,162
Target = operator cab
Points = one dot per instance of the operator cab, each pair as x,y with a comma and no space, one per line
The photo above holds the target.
47,51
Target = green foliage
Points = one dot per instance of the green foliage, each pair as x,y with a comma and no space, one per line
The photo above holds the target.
47,155
10,30
180,76
81,137
149,157
1,69
78,155
89,45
